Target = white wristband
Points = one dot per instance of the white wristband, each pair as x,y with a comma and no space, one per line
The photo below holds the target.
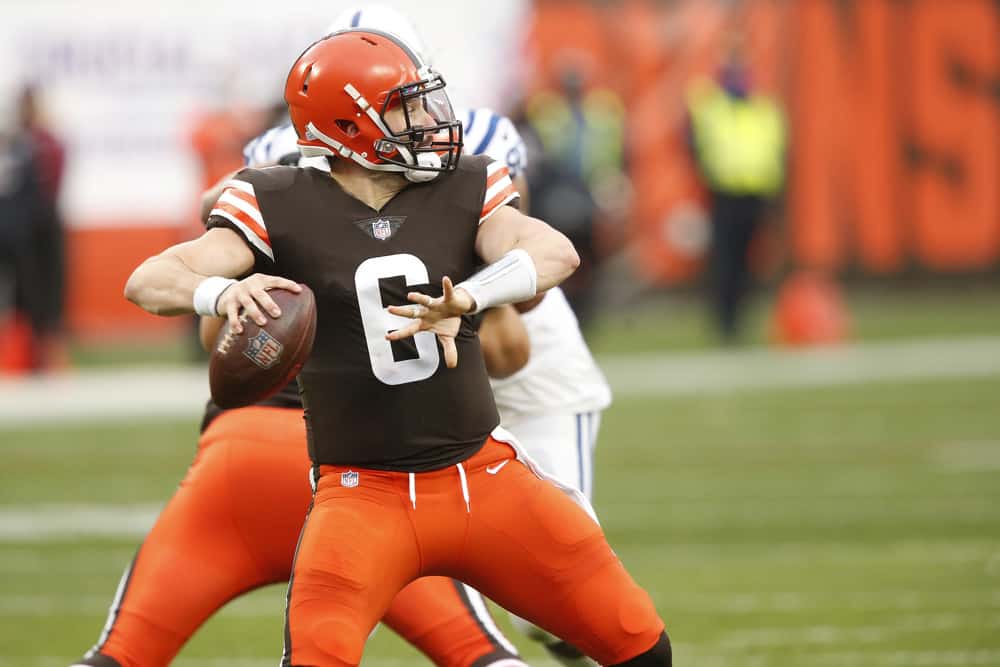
510,279
206,295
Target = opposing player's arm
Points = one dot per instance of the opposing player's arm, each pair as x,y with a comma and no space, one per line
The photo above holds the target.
269,148
521,185
211,196
504,341
208,331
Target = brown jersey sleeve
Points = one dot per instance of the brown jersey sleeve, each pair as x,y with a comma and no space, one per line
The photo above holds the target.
238,209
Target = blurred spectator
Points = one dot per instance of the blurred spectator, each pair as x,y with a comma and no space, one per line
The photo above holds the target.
32,253
738,140
579,134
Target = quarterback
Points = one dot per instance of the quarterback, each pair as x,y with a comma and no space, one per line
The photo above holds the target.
412,475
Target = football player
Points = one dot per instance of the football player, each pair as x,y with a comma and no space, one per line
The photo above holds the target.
216,539
553,406
412,475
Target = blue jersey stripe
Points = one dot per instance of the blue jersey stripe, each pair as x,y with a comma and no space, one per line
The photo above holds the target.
490,131
469,121
248,151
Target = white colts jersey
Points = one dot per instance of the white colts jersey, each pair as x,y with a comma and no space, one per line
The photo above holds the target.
561,376
485,132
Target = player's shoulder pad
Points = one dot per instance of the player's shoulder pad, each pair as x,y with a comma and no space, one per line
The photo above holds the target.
269,179
487,132
474,164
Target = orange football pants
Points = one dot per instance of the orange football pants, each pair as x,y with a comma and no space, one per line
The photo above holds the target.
490,522
232,526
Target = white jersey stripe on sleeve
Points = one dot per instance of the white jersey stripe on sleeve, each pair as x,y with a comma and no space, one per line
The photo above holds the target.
240,185
497,188
244,206
494,167
250,235
499,205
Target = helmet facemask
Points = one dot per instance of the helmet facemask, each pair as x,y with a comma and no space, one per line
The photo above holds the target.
421,132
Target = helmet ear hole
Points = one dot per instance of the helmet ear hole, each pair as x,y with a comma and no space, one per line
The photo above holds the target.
348,127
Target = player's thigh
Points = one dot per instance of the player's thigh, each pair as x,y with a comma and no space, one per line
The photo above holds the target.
448,621
551,564
356,552
268,476
191,563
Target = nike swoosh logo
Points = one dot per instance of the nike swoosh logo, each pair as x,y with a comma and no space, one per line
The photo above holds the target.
495,469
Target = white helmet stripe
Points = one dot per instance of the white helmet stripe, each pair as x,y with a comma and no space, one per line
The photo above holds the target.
377,119
342,150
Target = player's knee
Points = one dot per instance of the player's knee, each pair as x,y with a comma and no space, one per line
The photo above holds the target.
96,660
658,656
530,630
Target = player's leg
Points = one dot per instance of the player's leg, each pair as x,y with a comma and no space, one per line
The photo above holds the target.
558,570
357,550
563,445
451,624
197,556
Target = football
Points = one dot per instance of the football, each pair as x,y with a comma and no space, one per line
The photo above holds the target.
248,367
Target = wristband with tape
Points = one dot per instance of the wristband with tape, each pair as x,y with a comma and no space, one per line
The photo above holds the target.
206,295
510,279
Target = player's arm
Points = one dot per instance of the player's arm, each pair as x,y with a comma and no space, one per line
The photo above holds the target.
508,232
211,196
273,146
208,331
521,185
504,341
199,276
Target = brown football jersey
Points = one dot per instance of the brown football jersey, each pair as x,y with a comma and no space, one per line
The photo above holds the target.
370,402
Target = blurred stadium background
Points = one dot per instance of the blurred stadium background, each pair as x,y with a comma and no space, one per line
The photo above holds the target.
824,492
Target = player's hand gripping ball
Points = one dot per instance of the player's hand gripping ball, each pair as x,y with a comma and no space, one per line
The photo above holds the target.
250,366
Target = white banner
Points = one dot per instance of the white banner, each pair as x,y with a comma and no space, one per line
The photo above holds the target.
122,82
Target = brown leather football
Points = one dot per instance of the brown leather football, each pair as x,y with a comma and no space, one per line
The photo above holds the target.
249,367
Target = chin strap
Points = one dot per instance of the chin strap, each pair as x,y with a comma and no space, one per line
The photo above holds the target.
432,160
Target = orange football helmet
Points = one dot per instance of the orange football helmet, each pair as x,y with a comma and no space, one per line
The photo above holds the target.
365,95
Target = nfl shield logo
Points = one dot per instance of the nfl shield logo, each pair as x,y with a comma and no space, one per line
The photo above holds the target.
264,349
381,229
349,479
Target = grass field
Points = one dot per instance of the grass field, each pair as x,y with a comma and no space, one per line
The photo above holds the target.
668,321
853,525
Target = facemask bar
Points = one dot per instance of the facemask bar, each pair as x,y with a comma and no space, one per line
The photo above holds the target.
443,136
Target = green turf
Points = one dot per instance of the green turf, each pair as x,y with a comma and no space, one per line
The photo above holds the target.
840,526
667,322
671,321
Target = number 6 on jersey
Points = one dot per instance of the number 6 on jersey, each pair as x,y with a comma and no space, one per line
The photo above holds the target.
378,322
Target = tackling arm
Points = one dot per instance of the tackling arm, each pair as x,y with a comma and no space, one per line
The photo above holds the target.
504,341
208,331
210,196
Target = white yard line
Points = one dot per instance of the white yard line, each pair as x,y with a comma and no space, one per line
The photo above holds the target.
67,521
92,396
181,392
770,368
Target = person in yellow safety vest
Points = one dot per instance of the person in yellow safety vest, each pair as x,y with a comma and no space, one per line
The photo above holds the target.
579,132
738,138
